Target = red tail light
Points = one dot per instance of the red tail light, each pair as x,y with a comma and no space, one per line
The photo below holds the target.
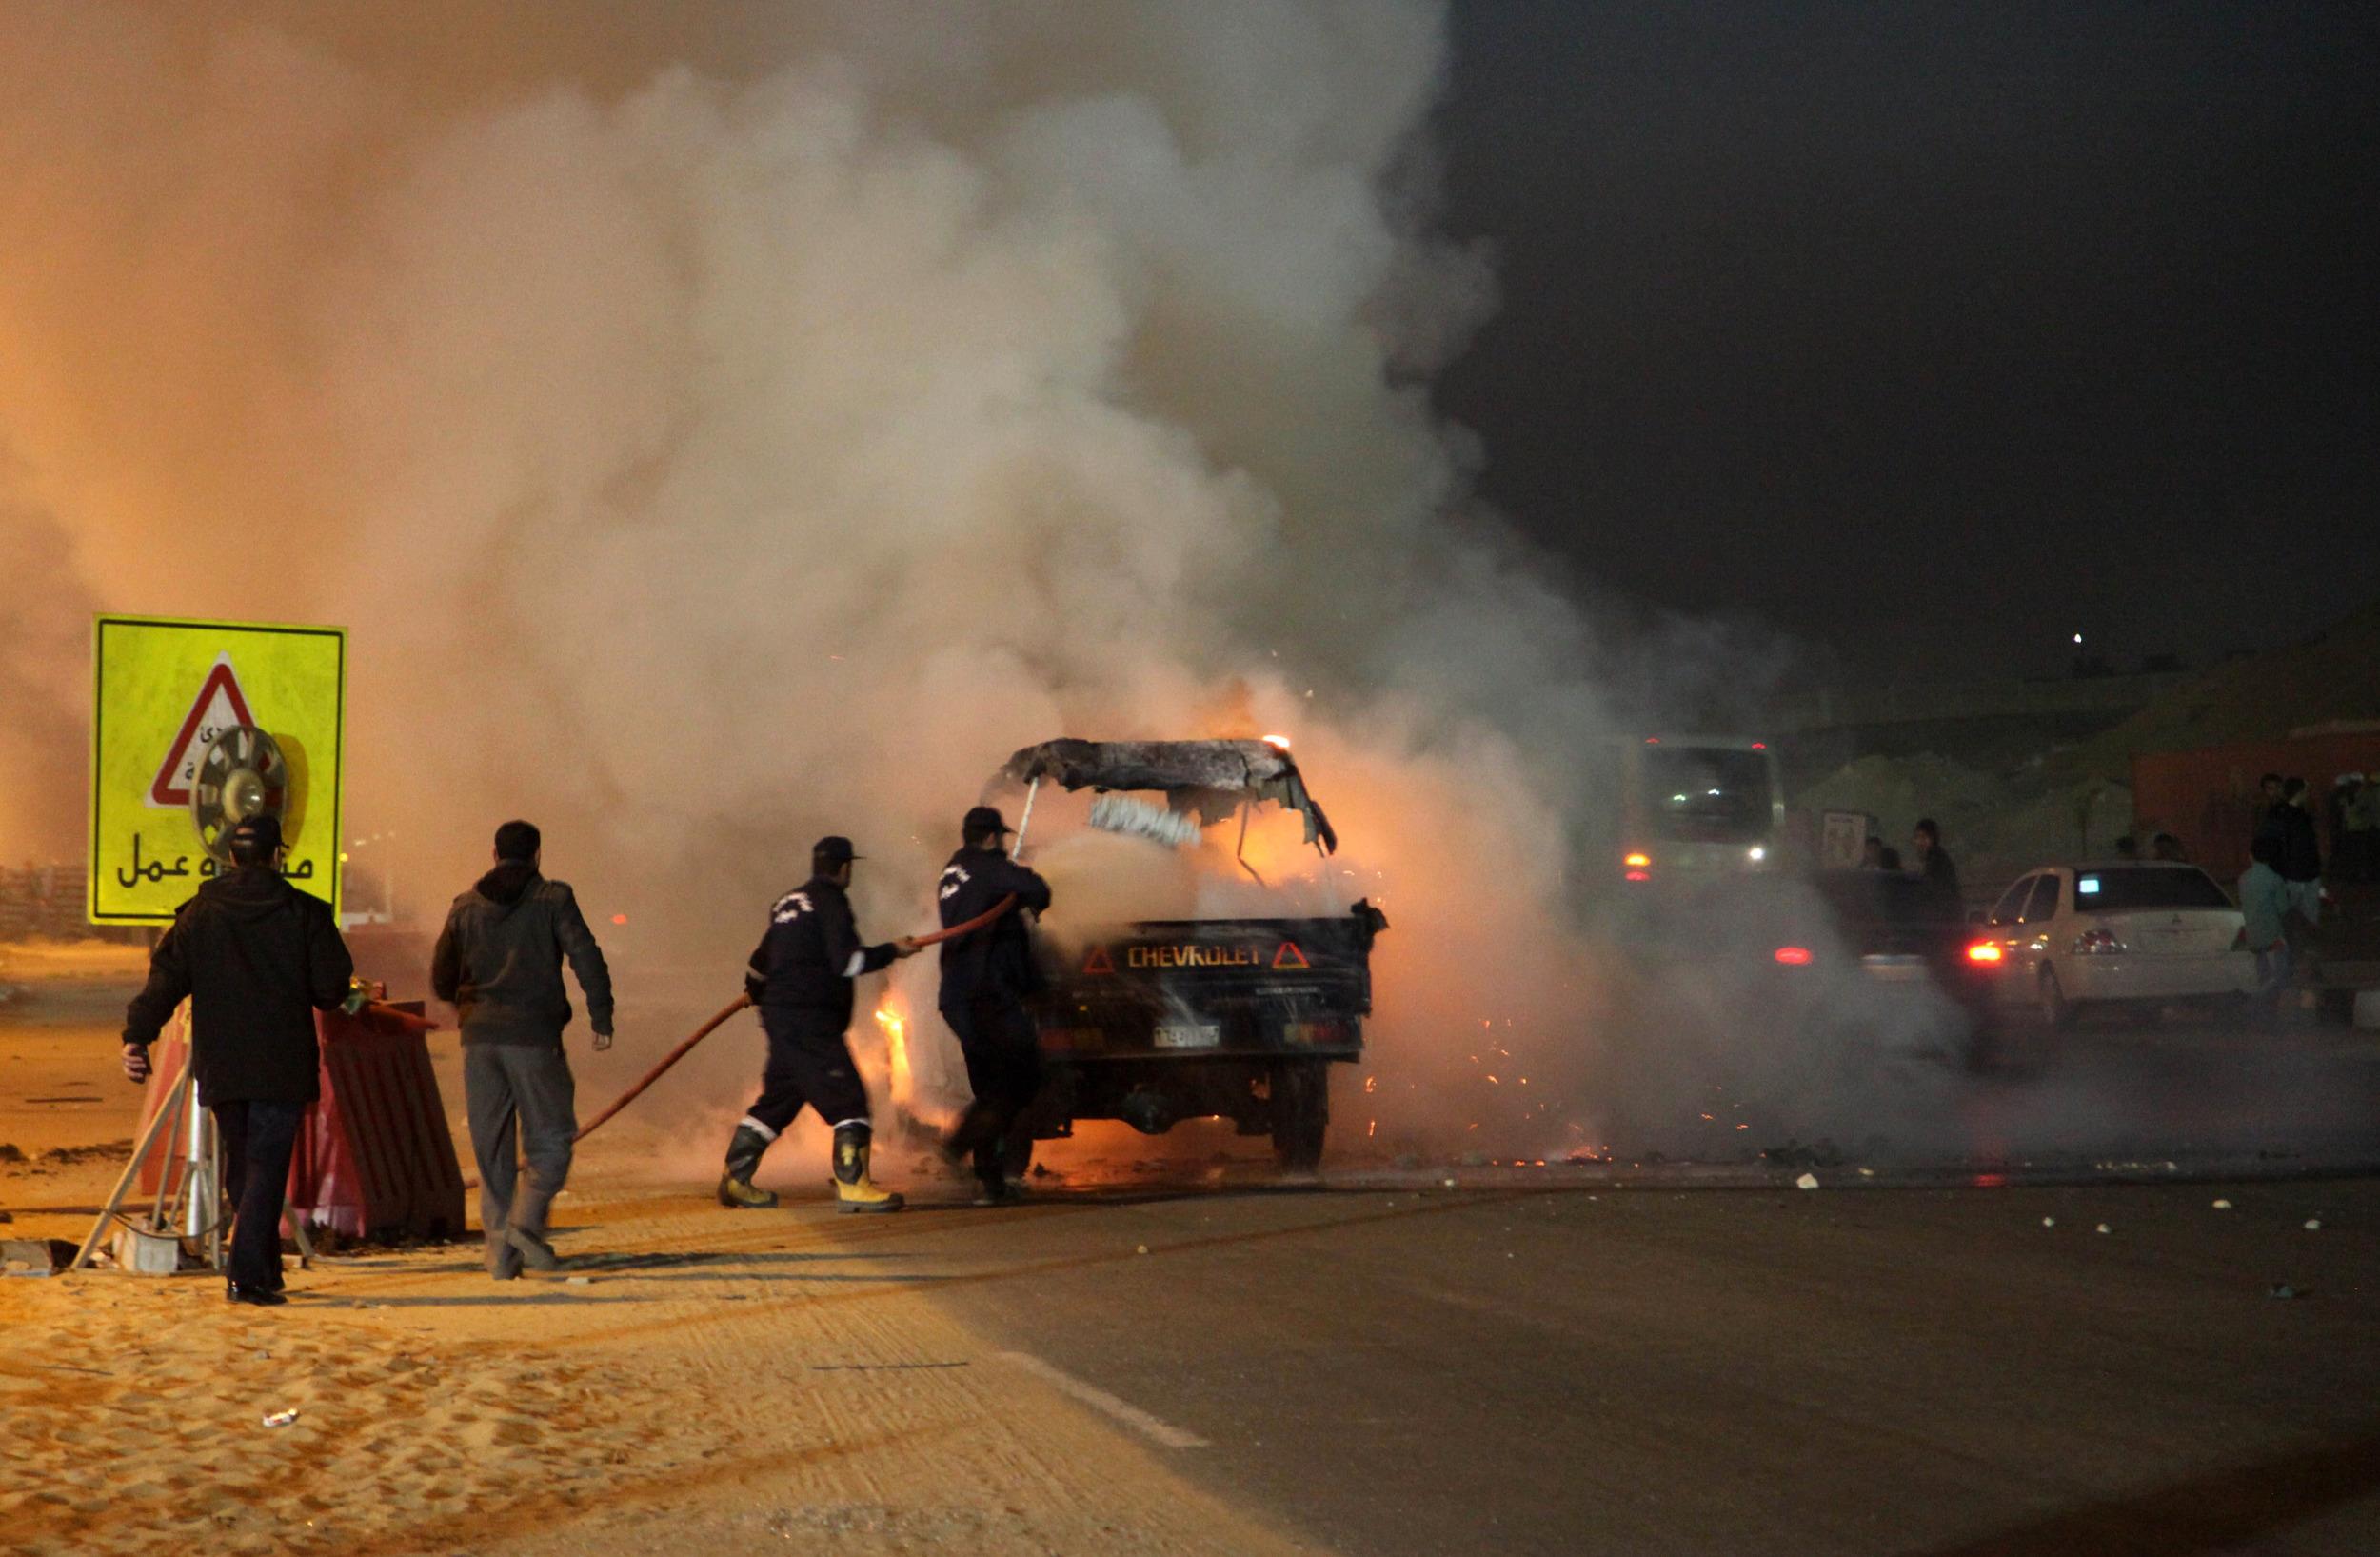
1793,956
1986,952
1640,875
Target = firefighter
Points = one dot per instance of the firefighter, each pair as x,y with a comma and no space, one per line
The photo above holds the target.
986,976
800,978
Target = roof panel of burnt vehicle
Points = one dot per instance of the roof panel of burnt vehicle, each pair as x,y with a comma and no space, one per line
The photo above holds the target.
1214,778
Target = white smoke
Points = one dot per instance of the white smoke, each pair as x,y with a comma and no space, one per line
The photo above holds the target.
716,436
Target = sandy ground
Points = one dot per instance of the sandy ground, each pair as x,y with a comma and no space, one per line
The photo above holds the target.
698,1376
1385,1369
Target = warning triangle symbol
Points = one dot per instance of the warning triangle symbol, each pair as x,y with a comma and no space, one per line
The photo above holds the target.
1289,956
218,706
1099,961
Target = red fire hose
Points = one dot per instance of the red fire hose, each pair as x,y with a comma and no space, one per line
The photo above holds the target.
740,1003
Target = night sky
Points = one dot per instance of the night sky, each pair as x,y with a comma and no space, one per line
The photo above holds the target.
1933,334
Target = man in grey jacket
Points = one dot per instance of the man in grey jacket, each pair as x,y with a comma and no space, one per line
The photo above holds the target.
498,962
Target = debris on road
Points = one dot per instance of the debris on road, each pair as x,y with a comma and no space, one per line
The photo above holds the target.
1141,1249
2222,1205
280,1419
1808,1181
2103,1227
2049,1221
2314,1224
1819,1153
2281,1289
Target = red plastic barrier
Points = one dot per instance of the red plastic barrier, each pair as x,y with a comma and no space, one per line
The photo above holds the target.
375,1159
166,1057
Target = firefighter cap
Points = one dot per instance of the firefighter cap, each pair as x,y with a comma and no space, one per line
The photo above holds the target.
834,850
984,819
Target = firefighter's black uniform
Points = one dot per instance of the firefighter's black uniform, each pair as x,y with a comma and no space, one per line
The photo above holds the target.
800,978
986,976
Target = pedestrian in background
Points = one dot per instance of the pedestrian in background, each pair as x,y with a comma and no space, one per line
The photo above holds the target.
499,962
256,958
2298,856
2361,848
1933,860
2351,828
2263,903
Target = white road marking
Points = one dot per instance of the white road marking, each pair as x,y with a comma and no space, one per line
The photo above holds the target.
1092,1395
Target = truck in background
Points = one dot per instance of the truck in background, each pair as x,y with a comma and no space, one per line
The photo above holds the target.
1685,810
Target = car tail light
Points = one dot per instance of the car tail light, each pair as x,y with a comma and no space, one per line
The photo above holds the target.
1793,956
1639,867
1985,953
2098,943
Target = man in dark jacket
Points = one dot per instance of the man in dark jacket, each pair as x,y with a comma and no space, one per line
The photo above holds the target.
256,958
986,976
498,962
1933,860
2298,856
801,977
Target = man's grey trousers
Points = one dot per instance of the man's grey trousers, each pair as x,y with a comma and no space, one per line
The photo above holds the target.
519,1097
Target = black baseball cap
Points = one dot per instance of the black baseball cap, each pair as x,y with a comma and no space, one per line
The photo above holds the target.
254,836
984,819
834,850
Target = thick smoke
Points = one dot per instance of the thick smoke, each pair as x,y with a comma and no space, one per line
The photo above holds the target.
717,433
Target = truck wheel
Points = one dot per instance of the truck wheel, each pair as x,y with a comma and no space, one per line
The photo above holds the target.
1302,1113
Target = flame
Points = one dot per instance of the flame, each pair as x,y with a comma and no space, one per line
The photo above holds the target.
1278,743
896,1047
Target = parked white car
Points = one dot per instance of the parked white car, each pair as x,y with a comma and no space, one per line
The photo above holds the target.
2078,936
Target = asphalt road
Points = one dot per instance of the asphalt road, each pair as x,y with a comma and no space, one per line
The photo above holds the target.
1719,1371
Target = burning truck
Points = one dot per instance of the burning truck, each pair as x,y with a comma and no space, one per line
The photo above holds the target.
1156,1021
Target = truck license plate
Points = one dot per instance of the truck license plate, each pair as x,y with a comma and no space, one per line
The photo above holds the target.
1188,1035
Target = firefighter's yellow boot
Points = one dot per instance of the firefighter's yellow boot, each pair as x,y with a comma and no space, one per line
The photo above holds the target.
853,1189
743,1160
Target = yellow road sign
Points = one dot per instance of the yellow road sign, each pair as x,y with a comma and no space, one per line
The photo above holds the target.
162,688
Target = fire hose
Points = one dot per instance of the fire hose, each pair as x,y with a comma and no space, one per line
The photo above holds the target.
954,933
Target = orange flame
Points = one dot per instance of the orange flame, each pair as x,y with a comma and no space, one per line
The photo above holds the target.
896,1047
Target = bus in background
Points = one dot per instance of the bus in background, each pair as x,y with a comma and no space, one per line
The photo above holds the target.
1689,809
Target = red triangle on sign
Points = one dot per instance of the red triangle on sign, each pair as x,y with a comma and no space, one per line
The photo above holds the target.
1099,961
218,706
1289,956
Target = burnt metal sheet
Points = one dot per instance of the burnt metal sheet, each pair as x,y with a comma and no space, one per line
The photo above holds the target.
1210,777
